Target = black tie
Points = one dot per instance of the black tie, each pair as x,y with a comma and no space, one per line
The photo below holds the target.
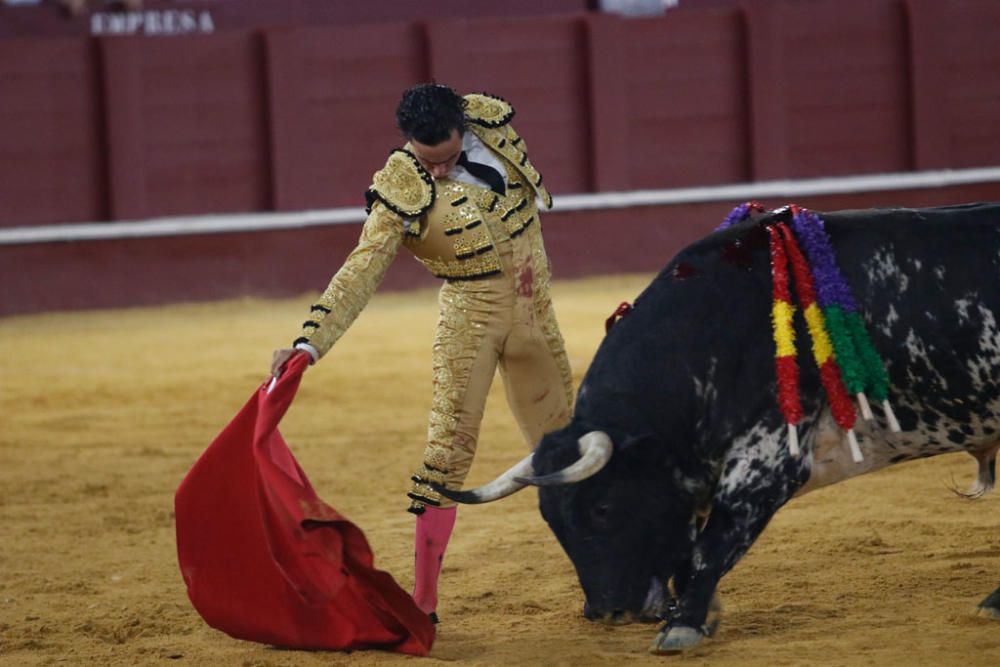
483,172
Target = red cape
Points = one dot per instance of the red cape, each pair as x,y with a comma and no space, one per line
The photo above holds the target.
266,560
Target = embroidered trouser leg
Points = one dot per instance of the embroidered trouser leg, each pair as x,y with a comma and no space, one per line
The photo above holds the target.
533,360
464,361
484,324
534,383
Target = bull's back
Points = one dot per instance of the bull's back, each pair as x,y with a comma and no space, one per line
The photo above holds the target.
926,282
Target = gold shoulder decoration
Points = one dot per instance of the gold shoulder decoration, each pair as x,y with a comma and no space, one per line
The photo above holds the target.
487,110
403,185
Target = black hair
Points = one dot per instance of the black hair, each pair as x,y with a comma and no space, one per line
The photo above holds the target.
429,112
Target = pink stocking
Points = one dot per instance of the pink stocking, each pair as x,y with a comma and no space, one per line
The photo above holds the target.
432,534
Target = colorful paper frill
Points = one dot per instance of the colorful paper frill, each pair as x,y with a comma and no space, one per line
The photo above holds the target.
861,366
830,373
739,213
843,352
785,365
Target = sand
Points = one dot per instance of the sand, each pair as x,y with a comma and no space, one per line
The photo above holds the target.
102,413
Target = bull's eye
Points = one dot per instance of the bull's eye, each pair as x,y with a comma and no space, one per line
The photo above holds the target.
600,512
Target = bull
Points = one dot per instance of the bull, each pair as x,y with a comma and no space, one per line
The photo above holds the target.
677,456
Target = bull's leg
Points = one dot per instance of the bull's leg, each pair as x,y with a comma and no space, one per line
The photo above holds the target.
991,605
725,539
682,576
758,479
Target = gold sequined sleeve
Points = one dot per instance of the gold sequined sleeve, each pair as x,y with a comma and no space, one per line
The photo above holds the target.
353,285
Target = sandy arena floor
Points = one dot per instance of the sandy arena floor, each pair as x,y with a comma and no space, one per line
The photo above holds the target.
101,415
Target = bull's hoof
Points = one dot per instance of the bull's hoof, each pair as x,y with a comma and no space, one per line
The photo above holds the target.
675,639
714,616
990,607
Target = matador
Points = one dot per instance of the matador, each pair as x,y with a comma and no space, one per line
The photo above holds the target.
463,197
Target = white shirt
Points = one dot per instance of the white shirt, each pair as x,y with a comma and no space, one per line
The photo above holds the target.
476,151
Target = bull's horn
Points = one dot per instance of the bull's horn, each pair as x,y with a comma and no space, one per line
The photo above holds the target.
501,487
595,451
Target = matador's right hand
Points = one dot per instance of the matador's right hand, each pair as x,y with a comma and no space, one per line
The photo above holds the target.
280,358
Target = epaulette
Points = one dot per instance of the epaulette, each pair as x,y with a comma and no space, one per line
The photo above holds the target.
487,110
403,185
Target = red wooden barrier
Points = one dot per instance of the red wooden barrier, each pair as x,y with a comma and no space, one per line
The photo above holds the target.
51,167
969,51
173,17
539,65
109,274
187,129
685,99
332,96
292,118
845,87
289,118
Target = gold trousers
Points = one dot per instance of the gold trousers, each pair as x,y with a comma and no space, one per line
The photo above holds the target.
504,322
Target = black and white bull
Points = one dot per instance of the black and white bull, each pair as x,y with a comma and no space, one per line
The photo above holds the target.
677,456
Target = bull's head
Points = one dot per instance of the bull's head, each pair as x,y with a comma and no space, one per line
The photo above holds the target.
619,515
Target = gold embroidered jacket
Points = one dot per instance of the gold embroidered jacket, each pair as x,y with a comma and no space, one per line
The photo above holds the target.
452,227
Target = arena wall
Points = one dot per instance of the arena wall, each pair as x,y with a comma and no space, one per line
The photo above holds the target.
287,117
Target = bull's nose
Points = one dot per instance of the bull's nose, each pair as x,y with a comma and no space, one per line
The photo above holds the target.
587,613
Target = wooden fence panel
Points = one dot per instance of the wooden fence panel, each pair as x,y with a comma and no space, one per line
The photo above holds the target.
540,66
972,96
289,118
685,99
187,125
333,98
51,168
845,87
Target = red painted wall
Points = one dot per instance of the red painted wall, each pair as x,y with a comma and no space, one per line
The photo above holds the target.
186,125
286,118
844,87
51,133
50,20
109,274
682,84
289,117
332,96
539,65
969,57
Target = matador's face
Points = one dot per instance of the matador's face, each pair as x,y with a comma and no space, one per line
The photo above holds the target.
439,159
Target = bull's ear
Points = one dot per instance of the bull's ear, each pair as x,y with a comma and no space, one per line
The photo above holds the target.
636,444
